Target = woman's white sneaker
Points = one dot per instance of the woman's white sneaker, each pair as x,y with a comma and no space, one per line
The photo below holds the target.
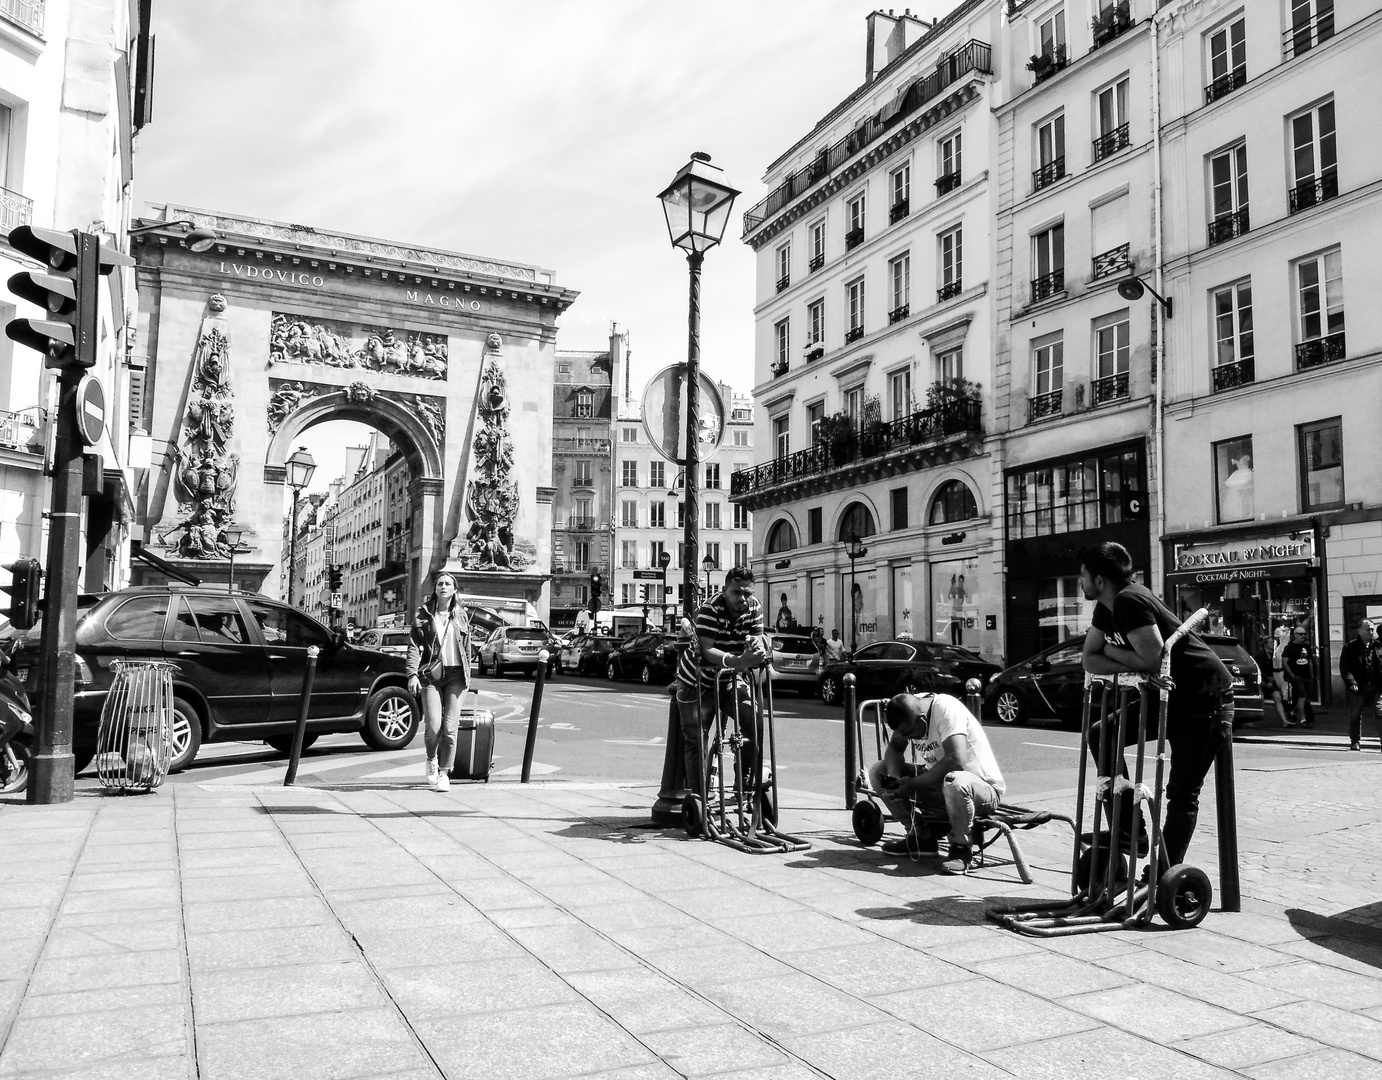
443,782
432,773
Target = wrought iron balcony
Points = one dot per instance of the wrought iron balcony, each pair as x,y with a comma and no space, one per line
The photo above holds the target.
1111,142
783,282
947,183
1225,85
1227,226
815,352
927,432
581,524
1317,351
1304,36
853,334
817,261
27,13
15,210
948,290
971,57
1238,373
899,210
1048,285
1048,174
1041,406
1310,193
899,313
583,482
1110,388
581,446
1113,261
854,238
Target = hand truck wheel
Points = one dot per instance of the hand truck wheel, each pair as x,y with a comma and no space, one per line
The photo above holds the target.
1183,896
768,805
693,814
868,822
1097,855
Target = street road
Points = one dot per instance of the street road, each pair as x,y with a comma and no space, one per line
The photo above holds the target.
597,731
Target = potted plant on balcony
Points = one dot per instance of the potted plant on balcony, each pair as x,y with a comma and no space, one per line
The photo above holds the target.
836,432
1110,22
1045,64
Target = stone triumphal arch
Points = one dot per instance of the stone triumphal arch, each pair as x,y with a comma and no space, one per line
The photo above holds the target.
280,327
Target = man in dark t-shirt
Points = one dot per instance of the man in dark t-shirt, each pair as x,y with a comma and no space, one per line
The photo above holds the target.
1130,628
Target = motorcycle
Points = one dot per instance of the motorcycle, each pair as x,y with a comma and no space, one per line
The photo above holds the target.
17,725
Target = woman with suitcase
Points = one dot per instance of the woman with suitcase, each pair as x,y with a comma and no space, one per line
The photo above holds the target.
439,674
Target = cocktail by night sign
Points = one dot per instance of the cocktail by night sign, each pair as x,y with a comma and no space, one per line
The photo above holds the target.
273,275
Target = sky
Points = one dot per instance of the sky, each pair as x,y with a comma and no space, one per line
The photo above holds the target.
538,132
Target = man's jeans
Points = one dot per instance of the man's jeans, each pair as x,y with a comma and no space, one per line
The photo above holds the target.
1366,698
961,797
695,710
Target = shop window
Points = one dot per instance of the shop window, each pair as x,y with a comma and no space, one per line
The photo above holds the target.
1077,494
1062,613
1233,480
954,502
1321,465
781,537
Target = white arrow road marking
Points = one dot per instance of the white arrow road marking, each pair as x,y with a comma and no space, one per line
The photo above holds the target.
657,741
1052,746
562,727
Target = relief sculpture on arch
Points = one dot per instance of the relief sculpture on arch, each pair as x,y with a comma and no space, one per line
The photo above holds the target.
298,339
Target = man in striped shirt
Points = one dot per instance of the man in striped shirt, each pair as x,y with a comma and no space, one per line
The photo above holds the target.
729,634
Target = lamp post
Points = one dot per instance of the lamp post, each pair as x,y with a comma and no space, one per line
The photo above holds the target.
300,467
663,561
234,534
198,238
856,551
1131,288
707,564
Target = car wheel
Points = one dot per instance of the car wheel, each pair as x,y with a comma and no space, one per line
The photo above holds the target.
612,671
830,690
646,675
480,664
187,734
284,743
1008,706
498,668
391,719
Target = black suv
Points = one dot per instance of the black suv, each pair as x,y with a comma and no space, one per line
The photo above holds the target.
240,660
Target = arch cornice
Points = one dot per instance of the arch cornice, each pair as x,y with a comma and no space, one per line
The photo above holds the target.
395,420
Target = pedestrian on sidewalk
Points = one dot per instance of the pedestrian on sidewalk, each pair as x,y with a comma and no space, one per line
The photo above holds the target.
1299,668
439,674
834,648
1130,628
1271,690
1360,664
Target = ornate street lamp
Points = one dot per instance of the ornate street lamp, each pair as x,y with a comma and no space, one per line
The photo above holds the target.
300,468
234,534
707,564
856,551
198,239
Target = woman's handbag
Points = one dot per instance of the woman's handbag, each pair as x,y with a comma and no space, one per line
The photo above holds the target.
433,672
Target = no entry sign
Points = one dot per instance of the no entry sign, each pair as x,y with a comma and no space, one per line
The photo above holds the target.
91,410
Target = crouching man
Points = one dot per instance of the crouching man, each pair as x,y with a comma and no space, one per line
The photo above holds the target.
956,774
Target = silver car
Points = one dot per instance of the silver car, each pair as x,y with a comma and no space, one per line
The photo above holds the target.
512,648
387,639
796,663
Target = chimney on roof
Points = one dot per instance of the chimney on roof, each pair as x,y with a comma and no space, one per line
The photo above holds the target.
889,35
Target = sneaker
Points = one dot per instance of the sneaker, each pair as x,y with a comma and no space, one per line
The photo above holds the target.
443,782
431,771
1355,745
958,860
911,845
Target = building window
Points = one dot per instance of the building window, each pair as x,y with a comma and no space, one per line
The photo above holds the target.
629,434
1314,158
584,513
953,502
950,364
1047,377
657,474
948,164
1320,281
854,293
1321,465
951,250
741,438
854,405
741,517
628,555
815,530
1228,63
1312,23
628,513
900,183
582,594
741,554
1111,108
900,393
582,476
782,436
1075,495
712,475
815,321
629,476
1233,345
900,274
712,551
897,499
784,266
1233,480
854,222
585,403
782,333
681,517
712,515
1110,358
817,234
657,514
781,537
1048,262
1050,146
1051,35
580,555
1228,192
656,549
626,594
857,521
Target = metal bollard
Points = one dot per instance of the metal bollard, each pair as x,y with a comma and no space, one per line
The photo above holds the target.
1226,807
974,697
300,732
531,744
851,740
672,791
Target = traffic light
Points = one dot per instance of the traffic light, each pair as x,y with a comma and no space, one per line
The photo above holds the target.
597,583
26,580
334,577
68,294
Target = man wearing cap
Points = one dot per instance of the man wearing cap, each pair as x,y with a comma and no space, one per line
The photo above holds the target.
956,773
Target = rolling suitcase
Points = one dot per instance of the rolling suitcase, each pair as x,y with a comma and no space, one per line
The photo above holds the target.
474,745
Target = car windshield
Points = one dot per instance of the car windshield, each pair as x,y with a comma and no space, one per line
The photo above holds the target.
525,633
798,645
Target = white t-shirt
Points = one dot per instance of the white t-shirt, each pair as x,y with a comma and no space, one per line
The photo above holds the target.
950,717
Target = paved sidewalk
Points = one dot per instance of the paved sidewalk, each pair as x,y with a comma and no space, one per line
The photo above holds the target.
504,931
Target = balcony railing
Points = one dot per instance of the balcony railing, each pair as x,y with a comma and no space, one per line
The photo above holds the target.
898,211
1113,261
1310,193
15,210
948,290
1048,174
947,183
783,282
973,56
582,446
22,431
581,524
817,261
853,334
1227,226
27,13
1238,373
1111,142
1225,85
1324,350
1304,36
854,238
899,313
1110,388
1048,285
920,428
815,352
583,482
1044,405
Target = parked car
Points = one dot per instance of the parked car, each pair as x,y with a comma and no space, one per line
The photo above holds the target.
886,668
391,640
796,662
512,648
651,657
1050,685
240,662
585,654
